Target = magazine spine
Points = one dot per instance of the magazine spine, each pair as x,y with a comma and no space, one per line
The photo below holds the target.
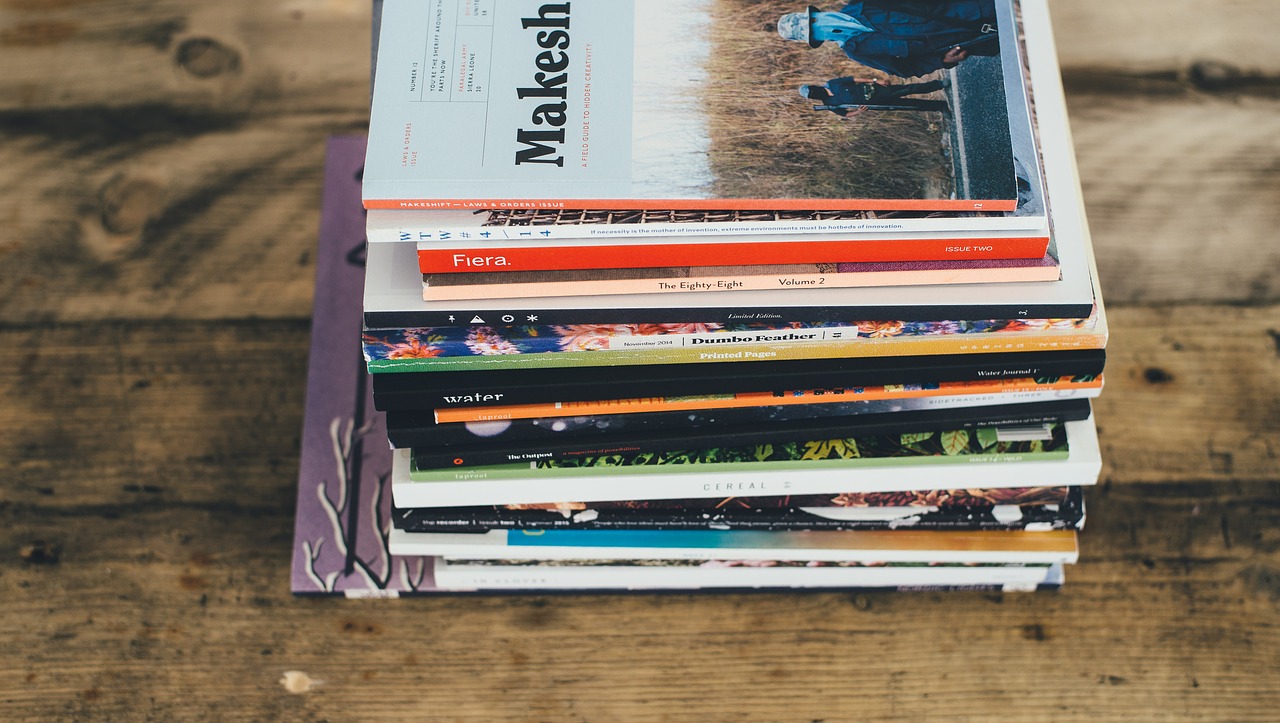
460,315
734,282
376,198
1014,578
417,428
868,546
455,389
1015,391
1055,472
640,256
461,456
782,519
459,357
955,509
418,226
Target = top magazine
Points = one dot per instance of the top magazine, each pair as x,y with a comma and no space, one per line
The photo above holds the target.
692,104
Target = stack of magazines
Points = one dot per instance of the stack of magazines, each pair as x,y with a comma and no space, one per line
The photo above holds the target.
702,294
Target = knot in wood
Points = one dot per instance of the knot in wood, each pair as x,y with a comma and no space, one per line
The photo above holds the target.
206,57
128,203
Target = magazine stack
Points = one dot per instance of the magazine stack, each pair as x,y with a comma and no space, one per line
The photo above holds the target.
702,295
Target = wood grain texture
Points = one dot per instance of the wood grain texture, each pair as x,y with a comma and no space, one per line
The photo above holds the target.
1181,191
1155,36
161,164
235,56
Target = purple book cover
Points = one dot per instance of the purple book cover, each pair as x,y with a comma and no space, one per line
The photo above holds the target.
344,501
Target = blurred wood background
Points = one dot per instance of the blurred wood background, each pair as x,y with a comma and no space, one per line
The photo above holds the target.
161,162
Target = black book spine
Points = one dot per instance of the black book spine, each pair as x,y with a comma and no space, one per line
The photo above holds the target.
462,316
1005,415
435,390
410,428
1069,514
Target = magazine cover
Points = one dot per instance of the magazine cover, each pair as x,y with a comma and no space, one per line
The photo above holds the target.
691,104
1026,508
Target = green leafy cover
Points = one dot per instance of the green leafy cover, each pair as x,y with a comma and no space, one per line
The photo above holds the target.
920,448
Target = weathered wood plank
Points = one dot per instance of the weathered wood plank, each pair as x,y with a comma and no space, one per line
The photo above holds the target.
119,415
193,218
236,56
1171,614
1166,35
1193,393
1182,193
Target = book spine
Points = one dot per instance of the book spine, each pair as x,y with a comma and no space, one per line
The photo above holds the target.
376,198
678,350
640,256
864,546
458,575
419,226
1062,506
429,391
959,391
527,311
418,429
734,282
462,456
867,478
945,517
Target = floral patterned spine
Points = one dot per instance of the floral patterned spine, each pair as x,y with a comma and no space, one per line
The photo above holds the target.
429,342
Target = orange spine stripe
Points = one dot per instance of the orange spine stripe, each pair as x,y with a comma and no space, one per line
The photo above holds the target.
747,399
702,204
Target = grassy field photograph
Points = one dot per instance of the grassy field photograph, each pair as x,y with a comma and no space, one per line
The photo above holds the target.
717,102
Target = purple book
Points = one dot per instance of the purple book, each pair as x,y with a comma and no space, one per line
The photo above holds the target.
344,500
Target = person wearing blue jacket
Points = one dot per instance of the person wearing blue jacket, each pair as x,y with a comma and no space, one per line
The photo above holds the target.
906,38
848,97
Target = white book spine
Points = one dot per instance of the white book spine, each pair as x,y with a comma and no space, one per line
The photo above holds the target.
507,577
391,226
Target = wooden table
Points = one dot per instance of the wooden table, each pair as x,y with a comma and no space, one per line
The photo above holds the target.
160,169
